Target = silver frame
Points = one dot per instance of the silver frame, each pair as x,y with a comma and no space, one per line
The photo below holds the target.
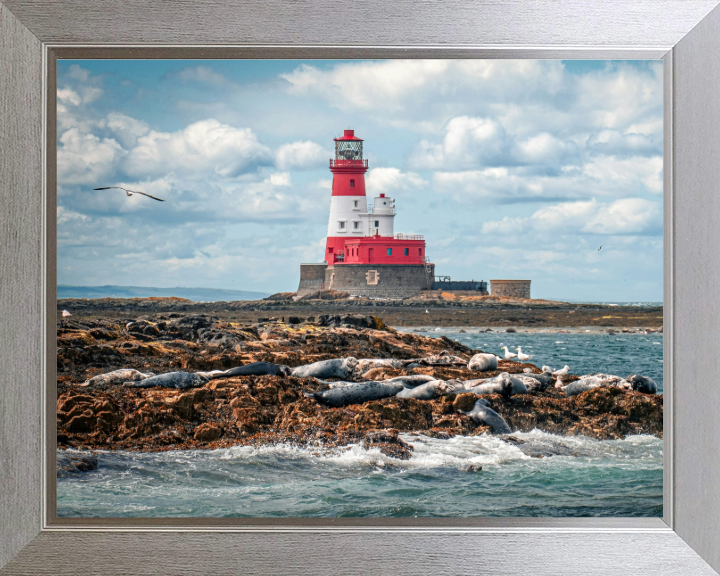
685,33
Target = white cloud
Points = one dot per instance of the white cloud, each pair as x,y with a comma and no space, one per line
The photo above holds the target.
68,96
201,74
386,180
203,146
625,173
127,129
627,216
85,158
302,156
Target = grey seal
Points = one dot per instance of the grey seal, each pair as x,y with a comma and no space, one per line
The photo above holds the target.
483,362
413,380
433,389
483,414
116,377
642,384
345,393
369,363
334,368
254,369
592,381
537,382
499,385
179,380
442,359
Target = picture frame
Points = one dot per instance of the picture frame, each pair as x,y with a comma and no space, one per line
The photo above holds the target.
685,34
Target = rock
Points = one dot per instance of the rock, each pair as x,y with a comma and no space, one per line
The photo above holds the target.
208,432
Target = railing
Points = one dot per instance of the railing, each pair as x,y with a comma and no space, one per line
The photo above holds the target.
348,163
409,237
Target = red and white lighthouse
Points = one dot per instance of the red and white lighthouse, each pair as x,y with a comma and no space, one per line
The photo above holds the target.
358,233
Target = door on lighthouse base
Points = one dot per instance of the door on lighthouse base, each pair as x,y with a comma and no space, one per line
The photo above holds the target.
371,253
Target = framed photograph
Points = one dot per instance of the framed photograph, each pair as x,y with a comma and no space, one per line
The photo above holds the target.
52,59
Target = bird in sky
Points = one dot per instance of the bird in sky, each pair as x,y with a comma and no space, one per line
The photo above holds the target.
130,192
599,248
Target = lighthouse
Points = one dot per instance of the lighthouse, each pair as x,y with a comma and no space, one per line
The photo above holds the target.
363,254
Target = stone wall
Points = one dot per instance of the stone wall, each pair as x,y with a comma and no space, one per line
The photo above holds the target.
312,279
513,288
379,280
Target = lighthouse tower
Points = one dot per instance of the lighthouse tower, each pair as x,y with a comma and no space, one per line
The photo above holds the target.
363,255
348,203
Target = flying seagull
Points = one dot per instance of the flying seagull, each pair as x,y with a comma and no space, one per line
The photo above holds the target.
599,248
130,192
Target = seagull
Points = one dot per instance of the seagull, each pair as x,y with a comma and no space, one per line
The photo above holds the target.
522,357
562,371
427,311
559,383
599,248
65,313
130,192
508,355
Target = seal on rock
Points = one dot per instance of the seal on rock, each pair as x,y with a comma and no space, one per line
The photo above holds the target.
254,369
345,393
498,385
334,368
592,381
116,377
433,389
642,384
483,362
370,363
179,380
483,414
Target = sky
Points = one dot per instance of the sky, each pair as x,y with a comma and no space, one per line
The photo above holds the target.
512,169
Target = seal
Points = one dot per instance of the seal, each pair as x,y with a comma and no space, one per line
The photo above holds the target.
254,369
483,362
433,389
442,359
345,393
413,380
592,381
370,363
334,368
483,414
498,385
179,380
642,384
116,377
537,382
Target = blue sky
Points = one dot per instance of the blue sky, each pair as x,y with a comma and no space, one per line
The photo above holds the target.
510,168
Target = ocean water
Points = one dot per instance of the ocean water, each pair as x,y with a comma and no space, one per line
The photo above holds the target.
577,476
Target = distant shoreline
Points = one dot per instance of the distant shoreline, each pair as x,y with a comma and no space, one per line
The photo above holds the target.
413,313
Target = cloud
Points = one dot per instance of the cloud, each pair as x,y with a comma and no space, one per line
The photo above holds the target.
125,128
627,216
88,86
302,156
85,158
201,74
387,180
469,142
207,145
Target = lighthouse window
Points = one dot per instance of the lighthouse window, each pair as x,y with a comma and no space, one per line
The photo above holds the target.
389,251
356,225
355,202
377,223
407,251
352,185
341,225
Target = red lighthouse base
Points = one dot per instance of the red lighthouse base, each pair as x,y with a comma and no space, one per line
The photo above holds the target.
400,249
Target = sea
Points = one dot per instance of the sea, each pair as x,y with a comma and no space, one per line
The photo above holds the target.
478,476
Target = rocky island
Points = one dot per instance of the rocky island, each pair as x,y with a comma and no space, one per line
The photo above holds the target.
259,409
